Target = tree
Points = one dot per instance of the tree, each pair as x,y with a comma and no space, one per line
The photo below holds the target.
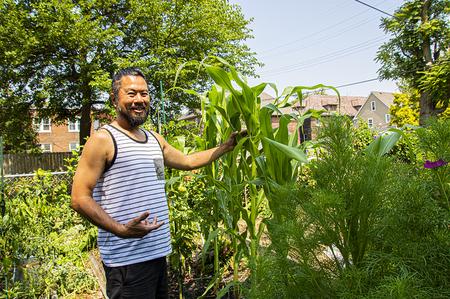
17,132
59,55
436,81
420,35
405,108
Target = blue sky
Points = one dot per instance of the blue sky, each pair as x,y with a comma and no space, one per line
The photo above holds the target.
333,42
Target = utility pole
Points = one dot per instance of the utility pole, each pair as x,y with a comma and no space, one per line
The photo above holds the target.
163,116
2,195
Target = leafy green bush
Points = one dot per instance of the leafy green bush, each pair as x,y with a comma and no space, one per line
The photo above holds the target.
435,143
362,135
407,148
368,227
412,237
44,242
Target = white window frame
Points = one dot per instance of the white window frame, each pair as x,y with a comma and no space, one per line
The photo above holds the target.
370,122
75,124
43,147
40,123
387,118
373,106
96,124
75,144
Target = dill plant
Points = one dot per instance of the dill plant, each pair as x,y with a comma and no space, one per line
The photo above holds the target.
327,227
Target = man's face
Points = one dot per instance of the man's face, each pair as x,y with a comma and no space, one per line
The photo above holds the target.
133,103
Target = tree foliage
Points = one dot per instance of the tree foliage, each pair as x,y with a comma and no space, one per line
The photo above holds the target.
437,81
59,55
420,31
405,109
16,127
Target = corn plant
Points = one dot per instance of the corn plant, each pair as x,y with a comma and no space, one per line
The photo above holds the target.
240,180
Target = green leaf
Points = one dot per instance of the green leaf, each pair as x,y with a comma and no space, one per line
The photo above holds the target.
384,143
291,152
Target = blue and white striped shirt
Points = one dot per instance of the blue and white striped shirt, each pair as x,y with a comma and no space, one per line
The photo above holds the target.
133,184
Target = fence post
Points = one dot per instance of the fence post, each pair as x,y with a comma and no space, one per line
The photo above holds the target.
2,196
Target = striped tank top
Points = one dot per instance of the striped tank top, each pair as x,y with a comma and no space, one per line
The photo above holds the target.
131,185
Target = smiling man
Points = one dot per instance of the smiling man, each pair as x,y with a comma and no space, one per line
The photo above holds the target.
119,186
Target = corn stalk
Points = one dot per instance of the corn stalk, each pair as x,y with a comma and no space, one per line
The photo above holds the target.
240,179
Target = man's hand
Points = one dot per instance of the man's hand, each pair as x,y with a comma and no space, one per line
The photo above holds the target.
232,141
139,227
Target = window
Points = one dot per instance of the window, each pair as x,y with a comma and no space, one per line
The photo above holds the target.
73,146
96,124
46,148
42,125
330,107
370,122
372,106
74,125
387,118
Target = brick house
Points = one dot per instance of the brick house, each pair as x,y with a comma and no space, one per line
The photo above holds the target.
59,137
349,106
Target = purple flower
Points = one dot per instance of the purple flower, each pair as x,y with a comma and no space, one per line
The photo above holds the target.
438,163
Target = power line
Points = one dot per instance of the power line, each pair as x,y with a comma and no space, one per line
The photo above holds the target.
325,38
325,58
373,7
333,26
359,82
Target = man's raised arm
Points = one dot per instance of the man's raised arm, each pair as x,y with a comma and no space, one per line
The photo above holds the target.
176,159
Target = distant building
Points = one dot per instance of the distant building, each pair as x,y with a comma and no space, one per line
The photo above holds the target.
375,110
349,106
61,137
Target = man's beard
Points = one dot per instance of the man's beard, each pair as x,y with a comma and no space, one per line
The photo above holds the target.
134,121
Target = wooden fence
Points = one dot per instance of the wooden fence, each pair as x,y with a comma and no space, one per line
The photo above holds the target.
29,163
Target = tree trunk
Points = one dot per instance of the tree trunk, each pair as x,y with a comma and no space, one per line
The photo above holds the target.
85,123
426,107
426,102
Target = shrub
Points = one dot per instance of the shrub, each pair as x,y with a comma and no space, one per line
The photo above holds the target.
44,240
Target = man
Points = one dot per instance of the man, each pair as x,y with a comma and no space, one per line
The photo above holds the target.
119,183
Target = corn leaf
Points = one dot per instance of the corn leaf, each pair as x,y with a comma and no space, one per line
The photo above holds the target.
291,152
384,143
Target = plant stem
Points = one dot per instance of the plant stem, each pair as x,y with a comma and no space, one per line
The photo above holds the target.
216,261
443,189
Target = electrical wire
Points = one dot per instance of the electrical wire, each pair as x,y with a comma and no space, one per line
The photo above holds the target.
326,58
358,82
333,26
373,7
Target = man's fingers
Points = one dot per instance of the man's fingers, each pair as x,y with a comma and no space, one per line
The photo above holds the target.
155,223
141,217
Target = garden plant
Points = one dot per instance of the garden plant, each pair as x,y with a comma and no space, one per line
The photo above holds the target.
353,214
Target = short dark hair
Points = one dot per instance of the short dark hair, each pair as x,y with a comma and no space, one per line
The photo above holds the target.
129,71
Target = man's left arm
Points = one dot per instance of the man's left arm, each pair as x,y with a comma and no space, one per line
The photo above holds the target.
178,160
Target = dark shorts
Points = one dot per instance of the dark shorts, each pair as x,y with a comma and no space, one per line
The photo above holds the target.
142,280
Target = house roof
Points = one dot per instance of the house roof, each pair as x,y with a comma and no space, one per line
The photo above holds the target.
386,97
349,104
265,97
191,115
